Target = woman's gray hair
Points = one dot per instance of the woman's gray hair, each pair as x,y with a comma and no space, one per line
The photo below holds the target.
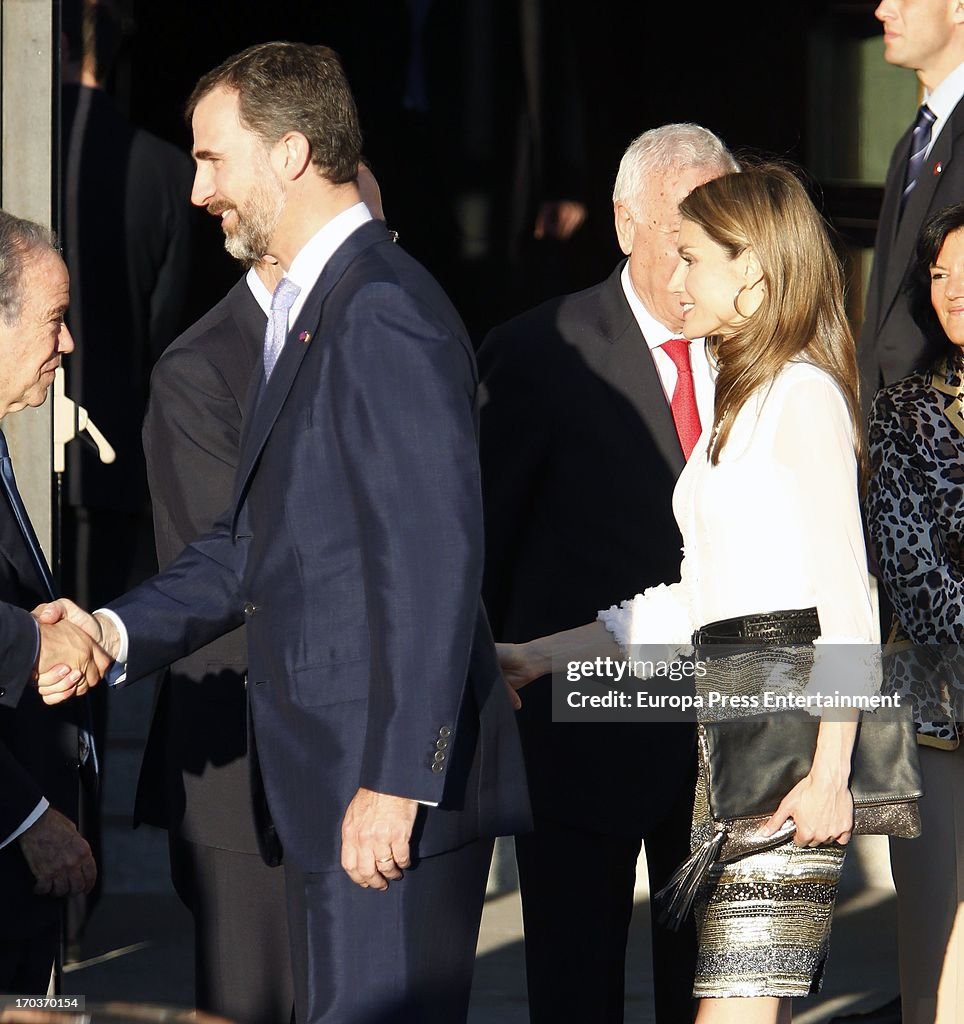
663,149
19,240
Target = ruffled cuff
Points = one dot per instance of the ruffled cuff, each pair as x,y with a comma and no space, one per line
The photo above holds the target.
654,620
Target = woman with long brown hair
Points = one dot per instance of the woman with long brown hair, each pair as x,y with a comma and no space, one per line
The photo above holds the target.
768,506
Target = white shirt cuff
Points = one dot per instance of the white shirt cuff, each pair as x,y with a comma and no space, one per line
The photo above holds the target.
28,821
117,674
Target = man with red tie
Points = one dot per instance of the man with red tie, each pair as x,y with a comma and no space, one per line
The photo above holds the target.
592,403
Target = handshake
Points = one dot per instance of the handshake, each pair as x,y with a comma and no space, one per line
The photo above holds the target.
76,649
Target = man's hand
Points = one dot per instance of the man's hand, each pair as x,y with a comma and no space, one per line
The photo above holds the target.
58,856
70,660
101,630
374,838
559,219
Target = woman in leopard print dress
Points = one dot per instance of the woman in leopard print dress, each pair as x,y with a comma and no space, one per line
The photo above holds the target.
915,518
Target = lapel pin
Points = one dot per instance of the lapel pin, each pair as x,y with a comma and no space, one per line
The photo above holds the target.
938,168
305,336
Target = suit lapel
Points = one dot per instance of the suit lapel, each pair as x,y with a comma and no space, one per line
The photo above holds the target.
632,375
894,186
265,400
14,549
904,235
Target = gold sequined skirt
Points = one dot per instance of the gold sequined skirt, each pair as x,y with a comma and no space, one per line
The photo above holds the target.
764,921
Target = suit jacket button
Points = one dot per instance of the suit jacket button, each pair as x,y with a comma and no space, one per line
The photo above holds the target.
442,744
3,691
437,768
439,757
249,608
445,732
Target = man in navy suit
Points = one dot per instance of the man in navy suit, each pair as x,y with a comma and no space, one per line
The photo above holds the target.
42,855
352,550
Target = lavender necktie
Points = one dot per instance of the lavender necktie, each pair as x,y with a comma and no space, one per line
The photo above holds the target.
276,330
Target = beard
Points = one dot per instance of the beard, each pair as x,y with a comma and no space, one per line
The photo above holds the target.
257,219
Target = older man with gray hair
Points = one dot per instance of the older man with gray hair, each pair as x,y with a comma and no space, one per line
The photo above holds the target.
42,856
593,403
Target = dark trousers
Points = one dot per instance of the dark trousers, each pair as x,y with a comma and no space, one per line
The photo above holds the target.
241,965
403,956
577,901
26,962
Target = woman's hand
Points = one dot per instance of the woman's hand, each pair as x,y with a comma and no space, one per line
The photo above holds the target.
821,808
520,664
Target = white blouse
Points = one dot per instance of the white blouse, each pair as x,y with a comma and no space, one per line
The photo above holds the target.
775,525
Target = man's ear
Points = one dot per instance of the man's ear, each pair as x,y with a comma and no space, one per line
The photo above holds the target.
291,156
625,226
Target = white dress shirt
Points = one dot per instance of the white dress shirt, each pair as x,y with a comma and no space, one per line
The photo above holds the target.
776,523
656,334
259,290
942,102
307,266
33,816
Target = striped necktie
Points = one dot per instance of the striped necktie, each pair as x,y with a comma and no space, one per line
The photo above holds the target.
920,139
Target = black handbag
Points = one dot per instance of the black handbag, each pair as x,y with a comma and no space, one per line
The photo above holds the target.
773,752
752,762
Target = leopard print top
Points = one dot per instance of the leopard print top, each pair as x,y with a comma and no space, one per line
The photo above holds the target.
915,523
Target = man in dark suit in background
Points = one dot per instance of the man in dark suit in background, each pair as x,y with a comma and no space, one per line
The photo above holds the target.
196,777
125,223
580,455
42,855
926,173
352,549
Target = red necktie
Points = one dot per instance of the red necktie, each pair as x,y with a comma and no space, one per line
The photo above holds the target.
686,415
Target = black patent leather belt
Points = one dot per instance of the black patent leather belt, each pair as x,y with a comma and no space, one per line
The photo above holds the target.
798,626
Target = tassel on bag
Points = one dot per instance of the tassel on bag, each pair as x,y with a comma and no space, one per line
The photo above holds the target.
677,896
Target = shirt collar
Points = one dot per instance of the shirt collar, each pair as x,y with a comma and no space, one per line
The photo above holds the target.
947,95
259,290
654,332
307,266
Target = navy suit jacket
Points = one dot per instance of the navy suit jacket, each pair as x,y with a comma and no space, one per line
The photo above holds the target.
580,457
891,345
18,652
353,550
38,744
196,777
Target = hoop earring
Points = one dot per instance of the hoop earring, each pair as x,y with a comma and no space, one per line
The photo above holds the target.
736,302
